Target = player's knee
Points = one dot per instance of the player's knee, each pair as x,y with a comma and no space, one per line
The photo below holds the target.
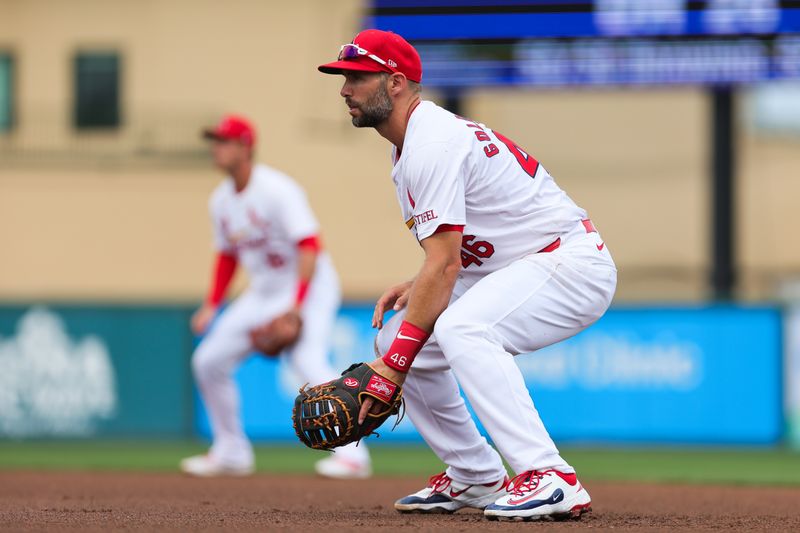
382,343
453,331
205,365
386,335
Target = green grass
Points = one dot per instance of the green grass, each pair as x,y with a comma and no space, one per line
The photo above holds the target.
726,466
164,456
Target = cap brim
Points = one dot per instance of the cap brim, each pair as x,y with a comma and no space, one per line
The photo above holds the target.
210,134
337,67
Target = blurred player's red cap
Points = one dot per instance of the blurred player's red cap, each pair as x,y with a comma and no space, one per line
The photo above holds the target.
232,128
377,51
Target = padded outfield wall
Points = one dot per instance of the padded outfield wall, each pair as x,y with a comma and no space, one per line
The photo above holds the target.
696,375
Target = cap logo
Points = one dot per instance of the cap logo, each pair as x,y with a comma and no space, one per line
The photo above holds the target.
391,63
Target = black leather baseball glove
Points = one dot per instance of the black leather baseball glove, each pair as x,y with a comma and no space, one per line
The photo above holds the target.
326,416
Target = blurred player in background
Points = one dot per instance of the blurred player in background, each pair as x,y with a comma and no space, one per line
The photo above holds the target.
511,265
261,219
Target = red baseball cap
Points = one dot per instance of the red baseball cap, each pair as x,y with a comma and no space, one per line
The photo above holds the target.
232,128
377,51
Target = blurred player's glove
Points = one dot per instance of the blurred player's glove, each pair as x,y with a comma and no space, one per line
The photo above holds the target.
278,334
326,416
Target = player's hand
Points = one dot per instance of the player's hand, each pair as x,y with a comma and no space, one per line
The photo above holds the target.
389,373
278,333
288,325
202,318
394,298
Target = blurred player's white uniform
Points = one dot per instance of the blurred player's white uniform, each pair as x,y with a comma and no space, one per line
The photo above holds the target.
534,272
261,226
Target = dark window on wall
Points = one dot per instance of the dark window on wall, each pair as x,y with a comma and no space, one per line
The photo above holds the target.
97,88
6,92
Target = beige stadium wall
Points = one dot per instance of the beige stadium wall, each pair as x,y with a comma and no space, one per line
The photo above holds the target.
93,227
768,201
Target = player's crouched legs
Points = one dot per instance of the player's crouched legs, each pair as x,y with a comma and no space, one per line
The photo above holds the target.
231,452
496,389
475,475
208,369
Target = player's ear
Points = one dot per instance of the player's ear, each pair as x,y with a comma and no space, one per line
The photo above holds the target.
397,83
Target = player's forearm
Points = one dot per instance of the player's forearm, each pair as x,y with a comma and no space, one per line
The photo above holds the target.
306,264
429,297
431,291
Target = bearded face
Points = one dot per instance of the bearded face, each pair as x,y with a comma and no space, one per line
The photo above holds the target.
375,109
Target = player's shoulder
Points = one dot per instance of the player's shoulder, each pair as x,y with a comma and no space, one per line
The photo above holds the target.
274,181
432,122
221,192
434,125
434,132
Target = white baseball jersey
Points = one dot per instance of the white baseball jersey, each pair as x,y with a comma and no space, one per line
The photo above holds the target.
262,225
458,172
509,300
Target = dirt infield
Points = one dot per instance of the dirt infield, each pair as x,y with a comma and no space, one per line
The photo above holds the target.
69,501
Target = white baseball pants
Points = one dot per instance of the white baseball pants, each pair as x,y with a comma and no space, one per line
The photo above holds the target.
227,344
534,302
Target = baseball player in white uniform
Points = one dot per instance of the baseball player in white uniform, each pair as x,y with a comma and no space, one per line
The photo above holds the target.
261,220
511,265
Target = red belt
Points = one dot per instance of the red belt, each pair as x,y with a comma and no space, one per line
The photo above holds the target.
587,224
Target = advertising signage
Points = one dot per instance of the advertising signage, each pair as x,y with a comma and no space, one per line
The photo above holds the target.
600,42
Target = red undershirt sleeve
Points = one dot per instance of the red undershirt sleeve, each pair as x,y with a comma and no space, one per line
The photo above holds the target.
310,243
449,227
224,270
313,244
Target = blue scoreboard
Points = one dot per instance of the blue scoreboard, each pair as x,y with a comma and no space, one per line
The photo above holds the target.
600,42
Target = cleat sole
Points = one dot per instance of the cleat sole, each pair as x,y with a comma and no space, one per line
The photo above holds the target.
579,510
573,514
435,510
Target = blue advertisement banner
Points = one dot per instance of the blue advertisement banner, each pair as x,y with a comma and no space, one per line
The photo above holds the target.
657,375
684,375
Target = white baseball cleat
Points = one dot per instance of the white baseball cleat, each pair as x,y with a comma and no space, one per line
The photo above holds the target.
338,468
445,495
534,495
207,466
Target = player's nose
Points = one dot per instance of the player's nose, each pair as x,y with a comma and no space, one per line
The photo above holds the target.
345,92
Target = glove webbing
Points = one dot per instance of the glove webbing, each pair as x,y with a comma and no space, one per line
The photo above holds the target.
321,427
